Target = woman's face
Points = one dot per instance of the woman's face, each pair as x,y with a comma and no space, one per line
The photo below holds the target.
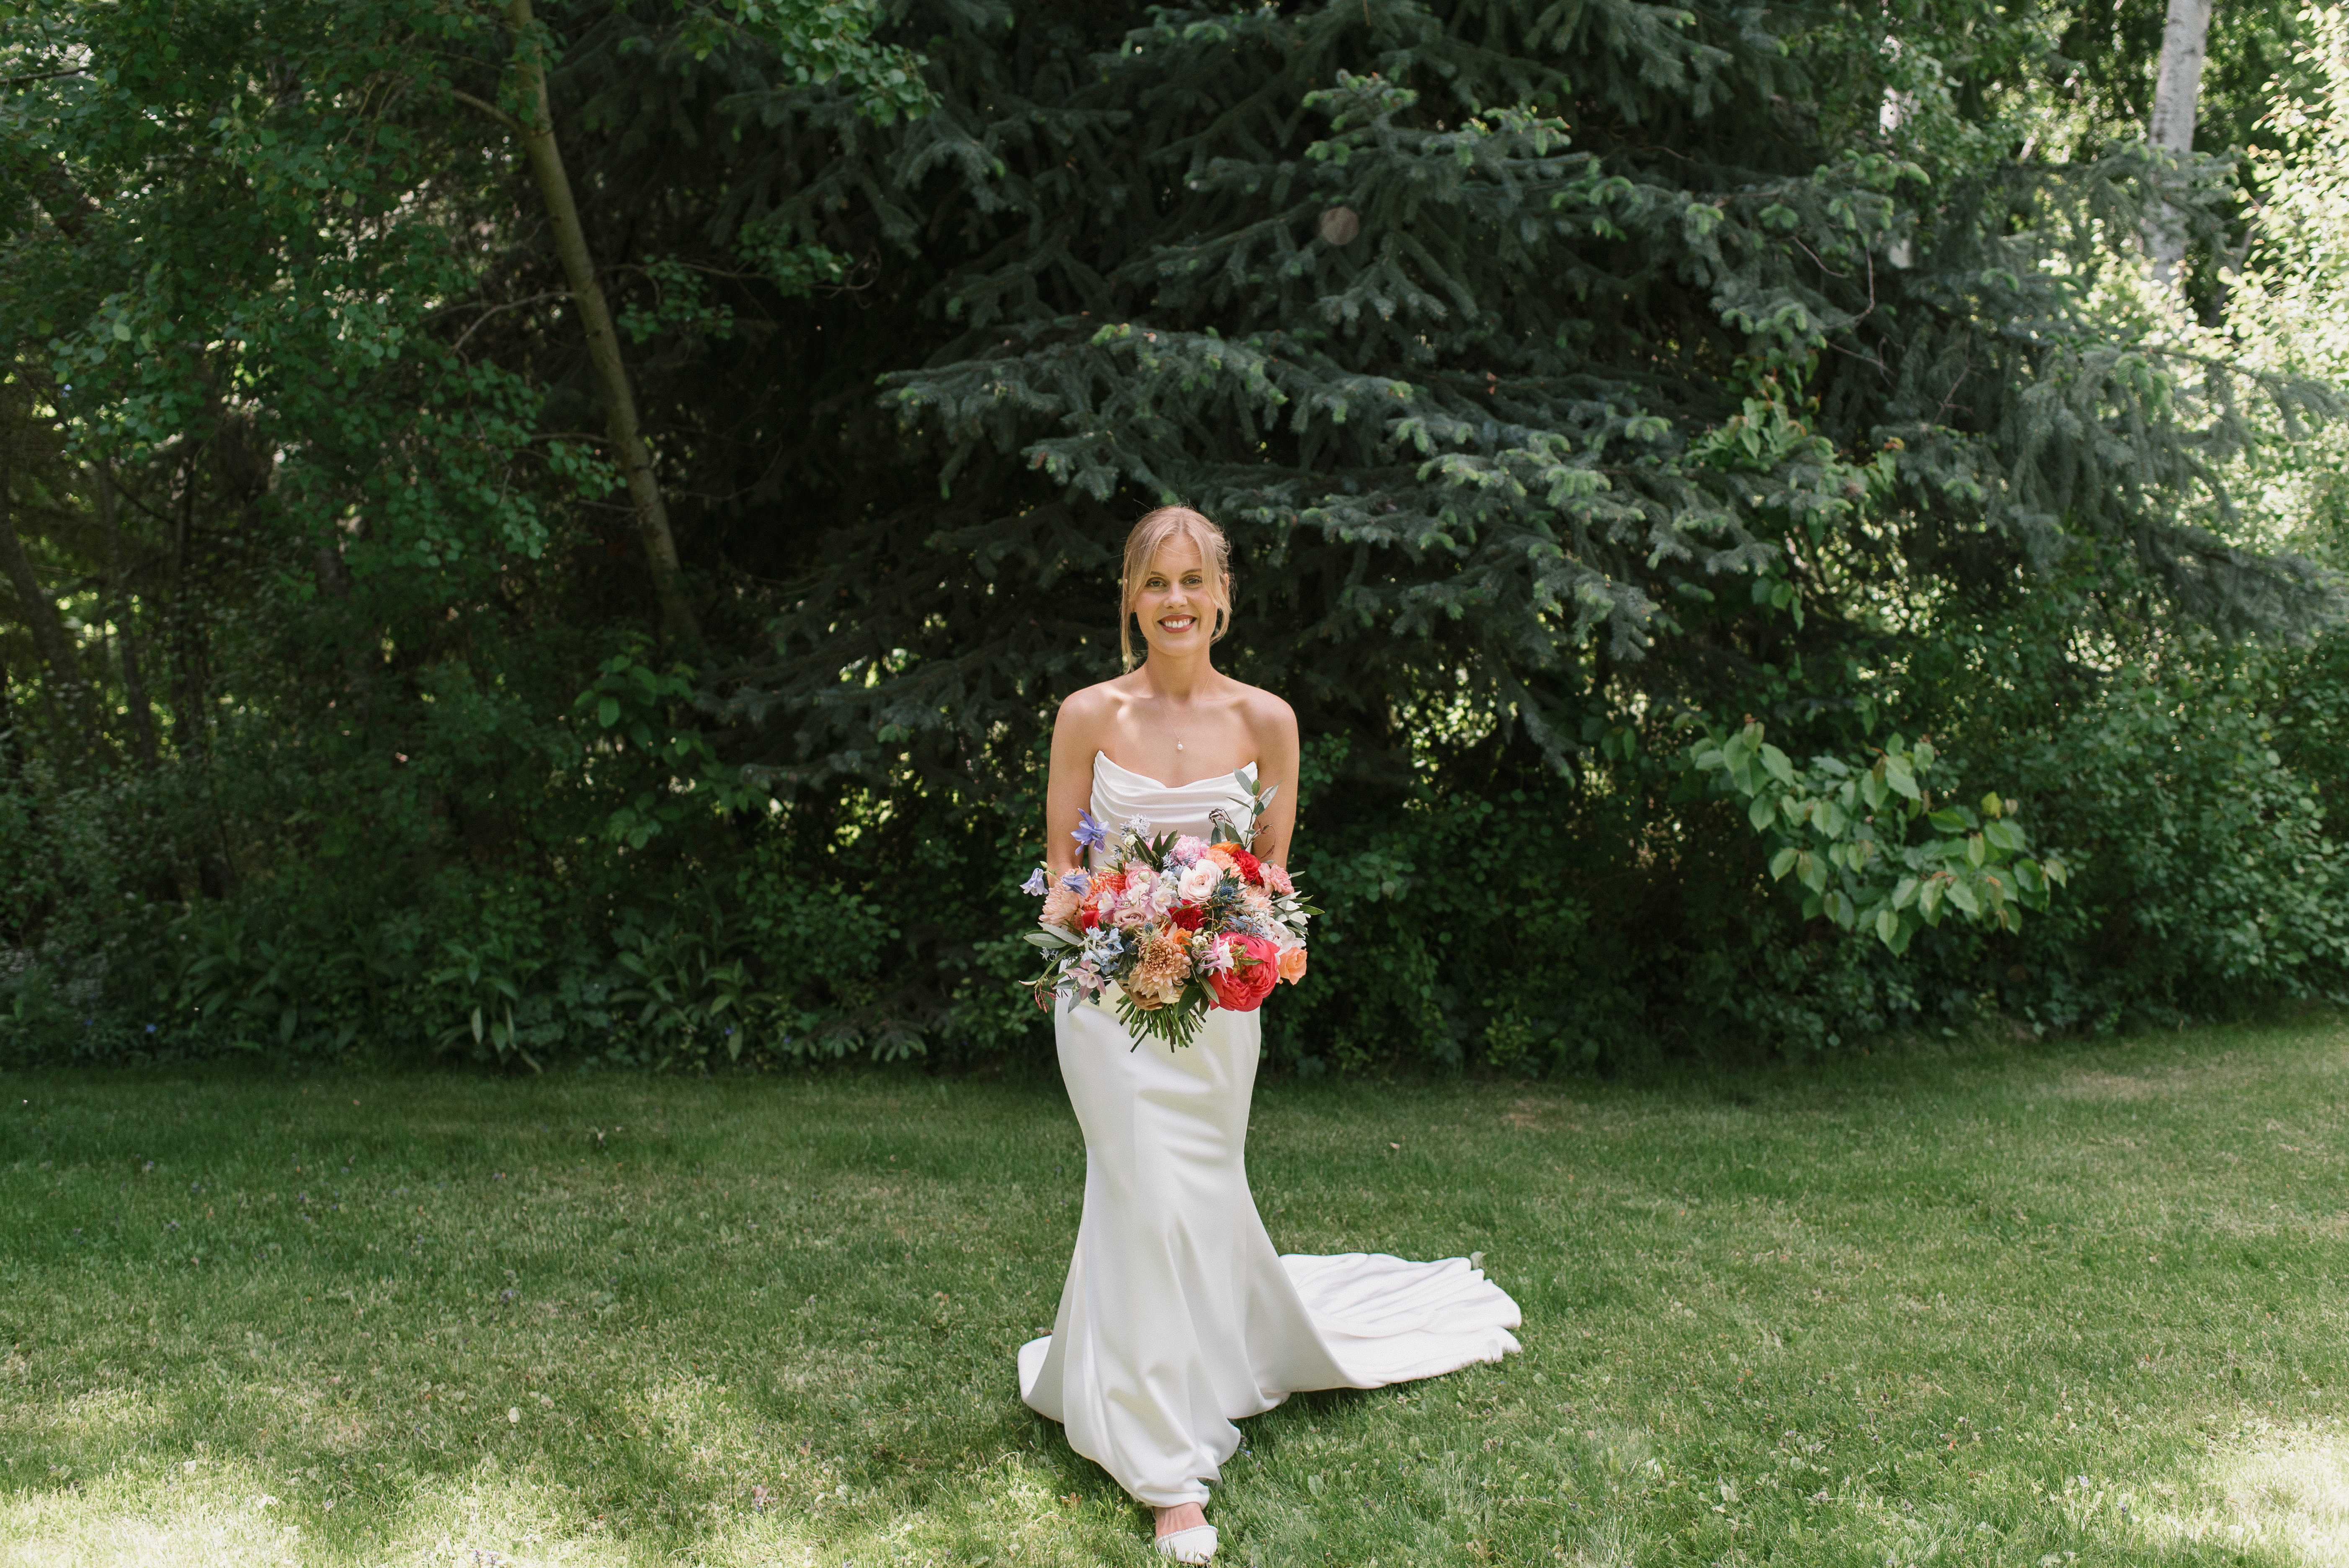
1175,603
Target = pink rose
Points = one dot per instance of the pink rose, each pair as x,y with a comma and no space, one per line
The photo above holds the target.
1200,880
1276,879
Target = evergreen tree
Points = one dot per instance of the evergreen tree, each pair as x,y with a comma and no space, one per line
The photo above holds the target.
1537,357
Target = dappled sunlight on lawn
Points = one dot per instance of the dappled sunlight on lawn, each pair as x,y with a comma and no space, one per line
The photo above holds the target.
167,1513
2284,1495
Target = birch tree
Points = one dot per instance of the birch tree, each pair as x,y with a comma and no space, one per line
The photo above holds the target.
2177,84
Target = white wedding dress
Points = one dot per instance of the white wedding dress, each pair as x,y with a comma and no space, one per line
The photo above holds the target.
1178,1318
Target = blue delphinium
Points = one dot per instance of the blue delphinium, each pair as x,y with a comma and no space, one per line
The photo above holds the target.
1090,833
1037,886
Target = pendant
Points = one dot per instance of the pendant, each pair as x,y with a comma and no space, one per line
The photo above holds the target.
1178,745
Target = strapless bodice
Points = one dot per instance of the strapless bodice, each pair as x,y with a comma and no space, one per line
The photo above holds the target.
1121,795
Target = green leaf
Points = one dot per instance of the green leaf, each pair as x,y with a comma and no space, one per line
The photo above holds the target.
1811,871
1779,767
1761,813
607,711
1839,909
1928,899
1887,927
1976,850
1904,893
1829,818
1951,819
1902,780
1963,897
2005,837
1782,863
1872,791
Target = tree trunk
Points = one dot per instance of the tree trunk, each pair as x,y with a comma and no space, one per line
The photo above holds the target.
190,734
621,421
41,616
134,684
2175,89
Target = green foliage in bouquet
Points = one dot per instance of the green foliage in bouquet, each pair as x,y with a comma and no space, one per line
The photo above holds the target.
1086,965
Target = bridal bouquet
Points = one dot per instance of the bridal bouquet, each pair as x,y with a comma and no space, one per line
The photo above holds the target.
1177,924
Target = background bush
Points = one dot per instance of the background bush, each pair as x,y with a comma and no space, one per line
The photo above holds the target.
1574,387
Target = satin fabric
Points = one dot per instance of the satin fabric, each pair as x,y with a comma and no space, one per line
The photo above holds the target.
1178,1318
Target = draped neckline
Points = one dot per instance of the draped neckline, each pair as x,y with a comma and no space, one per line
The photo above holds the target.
1223,778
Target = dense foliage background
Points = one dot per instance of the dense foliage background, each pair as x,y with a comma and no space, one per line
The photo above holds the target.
1638,427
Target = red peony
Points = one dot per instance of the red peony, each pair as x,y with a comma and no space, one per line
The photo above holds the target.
1244,986
1088,918
1251,869
1190,917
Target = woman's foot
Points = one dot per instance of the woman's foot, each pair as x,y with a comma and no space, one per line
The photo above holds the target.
1184,1534
1185,1516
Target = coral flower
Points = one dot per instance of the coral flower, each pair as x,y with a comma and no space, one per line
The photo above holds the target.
1062,906
1292,964
1245,986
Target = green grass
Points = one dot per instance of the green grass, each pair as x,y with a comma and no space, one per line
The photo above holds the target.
2029,1308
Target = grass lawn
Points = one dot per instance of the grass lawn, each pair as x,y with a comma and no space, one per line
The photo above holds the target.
2028,1307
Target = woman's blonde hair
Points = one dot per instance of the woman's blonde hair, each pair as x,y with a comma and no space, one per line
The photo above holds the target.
1141,546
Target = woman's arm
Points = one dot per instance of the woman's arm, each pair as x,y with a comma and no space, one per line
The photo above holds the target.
1273,725
1076,735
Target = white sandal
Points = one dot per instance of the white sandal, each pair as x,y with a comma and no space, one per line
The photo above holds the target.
1196,1544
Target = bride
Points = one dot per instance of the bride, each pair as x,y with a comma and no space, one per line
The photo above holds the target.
1178,1318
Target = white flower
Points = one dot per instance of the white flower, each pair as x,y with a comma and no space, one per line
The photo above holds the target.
1200,880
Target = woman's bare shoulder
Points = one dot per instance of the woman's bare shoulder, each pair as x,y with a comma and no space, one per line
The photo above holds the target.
1087,709
1266,713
